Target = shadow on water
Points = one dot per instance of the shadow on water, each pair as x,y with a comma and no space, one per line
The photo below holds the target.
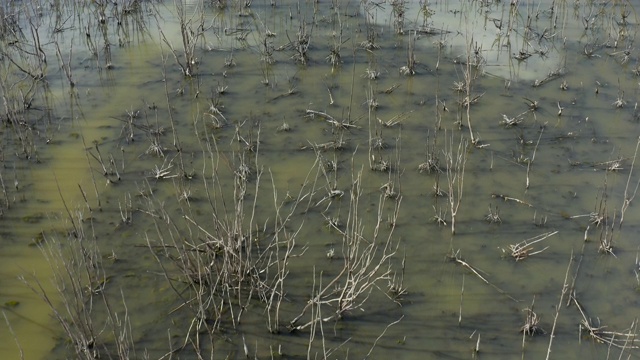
319,179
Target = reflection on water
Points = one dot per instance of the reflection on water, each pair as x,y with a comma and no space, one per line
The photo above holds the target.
325,125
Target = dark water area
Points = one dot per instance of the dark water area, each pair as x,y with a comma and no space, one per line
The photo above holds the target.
277,179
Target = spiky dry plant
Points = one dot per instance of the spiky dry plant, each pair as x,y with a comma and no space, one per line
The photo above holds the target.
525,249
493,217
192,29
80,303
626,339
456,162
531,323
366,263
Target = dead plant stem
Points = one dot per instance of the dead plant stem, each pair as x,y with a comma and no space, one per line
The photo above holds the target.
533,157
628,199
565,287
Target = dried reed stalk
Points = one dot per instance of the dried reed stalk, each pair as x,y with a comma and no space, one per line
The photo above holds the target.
524,249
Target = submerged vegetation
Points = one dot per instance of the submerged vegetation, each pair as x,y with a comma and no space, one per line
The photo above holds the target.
281,179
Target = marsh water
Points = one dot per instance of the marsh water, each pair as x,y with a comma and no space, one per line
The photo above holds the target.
333,144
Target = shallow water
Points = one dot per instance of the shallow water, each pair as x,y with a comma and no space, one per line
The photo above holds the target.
177,186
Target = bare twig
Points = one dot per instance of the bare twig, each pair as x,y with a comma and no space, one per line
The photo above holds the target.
565,287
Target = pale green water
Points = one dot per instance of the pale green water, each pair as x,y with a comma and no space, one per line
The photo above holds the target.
566,180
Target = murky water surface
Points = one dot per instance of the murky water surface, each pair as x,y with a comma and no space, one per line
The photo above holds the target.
293,196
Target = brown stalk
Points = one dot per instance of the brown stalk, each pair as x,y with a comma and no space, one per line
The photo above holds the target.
455,257
13,334
533,157
525,249
628,198
365,263
617,339
456,163
66,67
565,287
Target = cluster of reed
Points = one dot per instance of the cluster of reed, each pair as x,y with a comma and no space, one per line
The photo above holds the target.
214,245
